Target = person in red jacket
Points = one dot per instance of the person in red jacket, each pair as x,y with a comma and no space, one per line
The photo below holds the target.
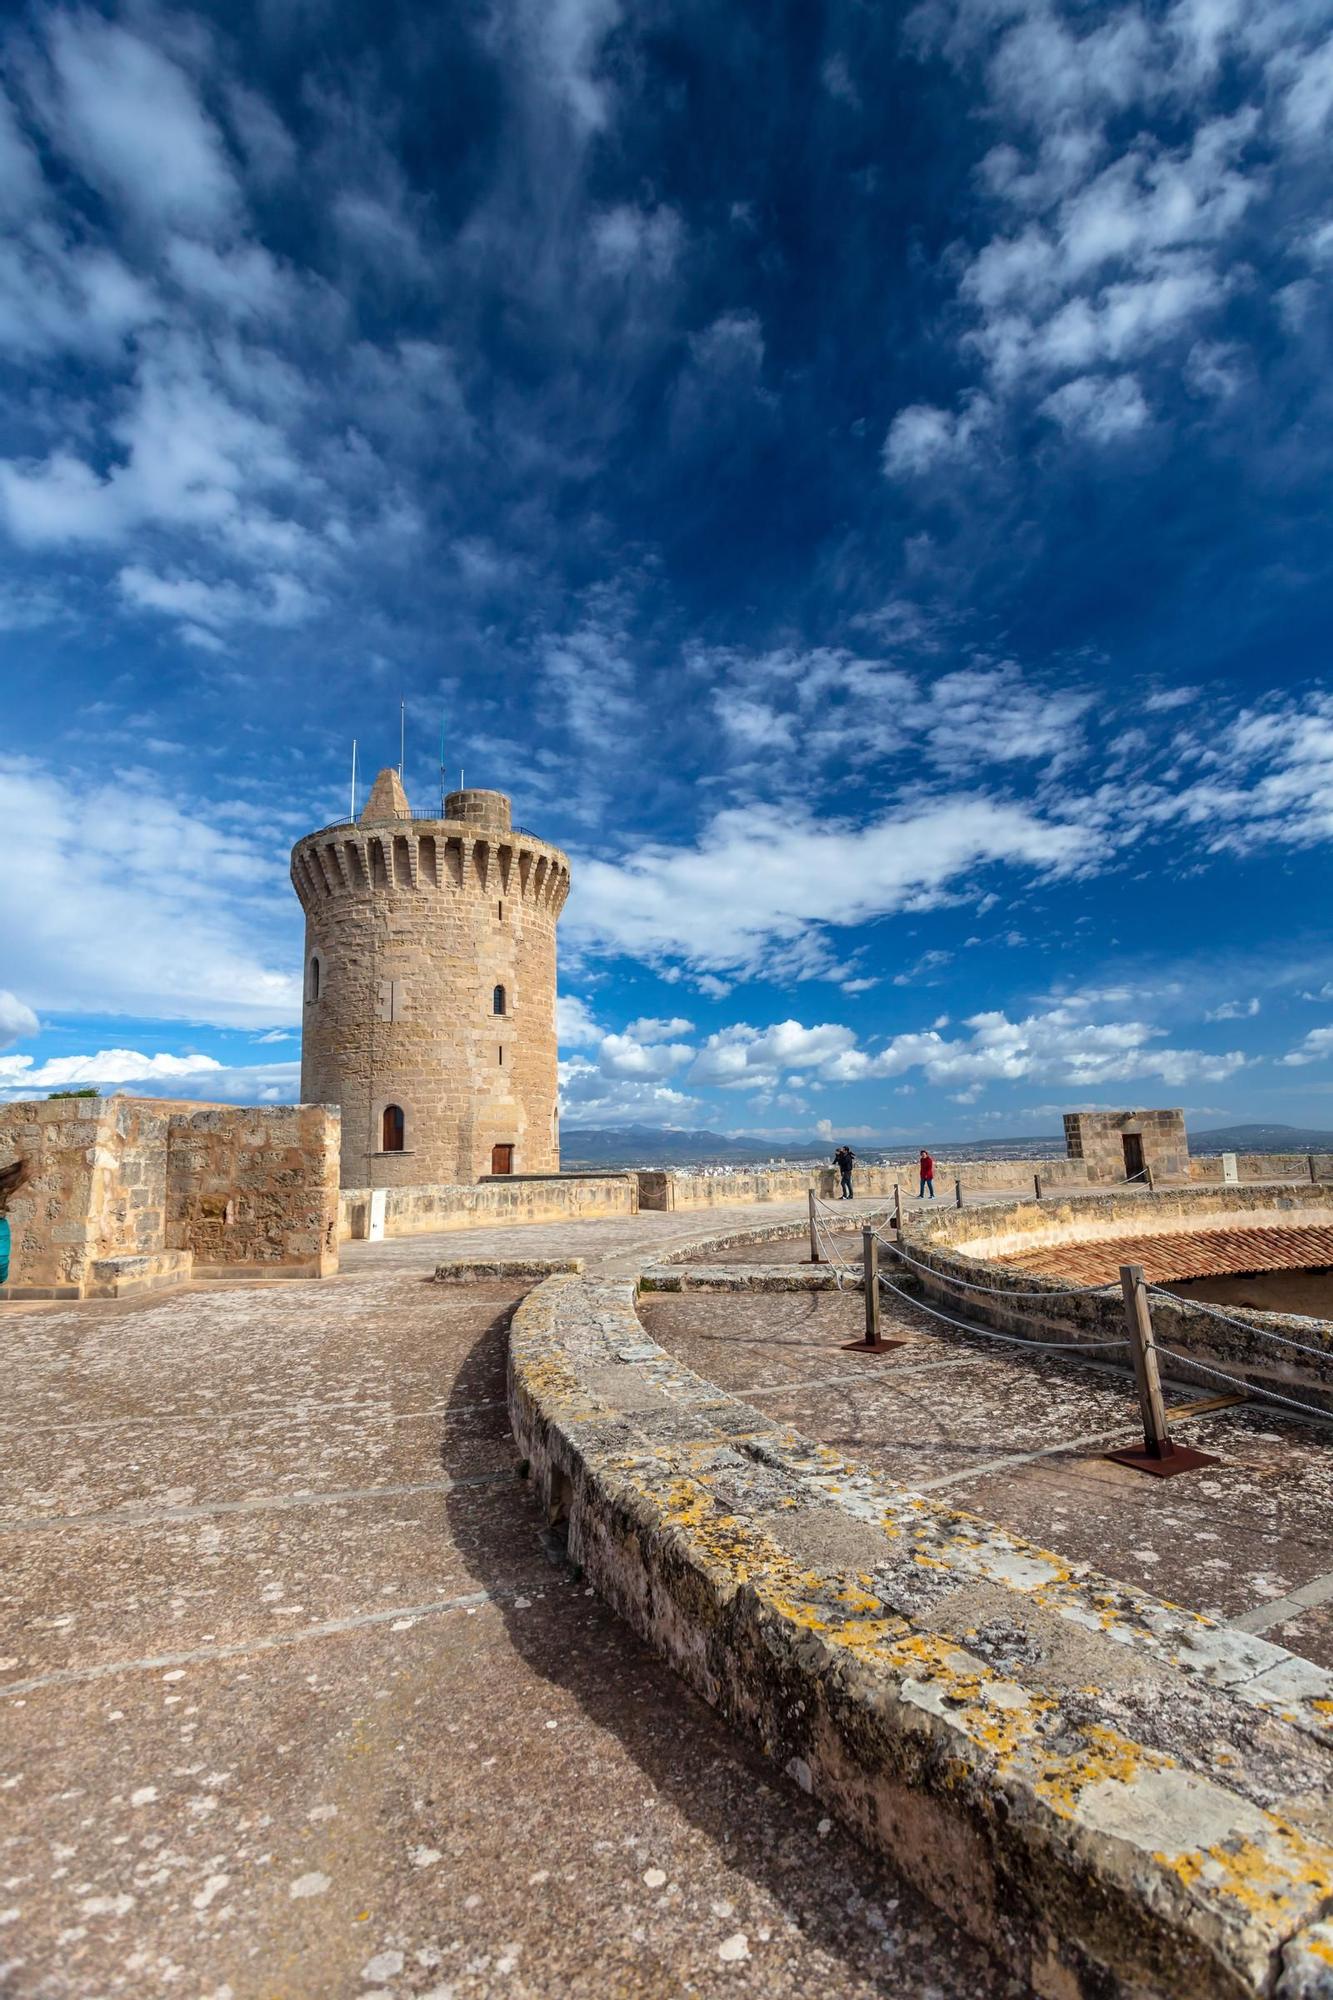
927,1175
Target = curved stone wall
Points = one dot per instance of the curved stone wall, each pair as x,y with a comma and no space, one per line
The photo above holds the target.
1121,1797
966,1244
411,927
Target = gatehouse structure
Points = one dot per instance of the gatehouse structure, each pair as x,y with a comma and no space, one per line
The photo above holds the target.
430,988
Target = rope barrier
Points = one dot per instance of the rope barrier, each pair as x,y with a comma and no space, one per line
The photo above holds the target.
997,1291
1247,1388
988,1333
1227,1319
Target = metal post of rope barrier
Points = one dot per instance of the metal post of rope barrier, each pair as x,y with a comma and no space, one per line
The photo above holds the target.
815,1257
1309,1161
897,1212
873,1343
1036,1182
957,1194
1158,1454
1147,1175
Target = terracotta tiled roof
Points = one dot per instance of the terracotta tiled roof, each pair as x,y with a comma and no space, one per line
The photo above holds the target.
1195,1253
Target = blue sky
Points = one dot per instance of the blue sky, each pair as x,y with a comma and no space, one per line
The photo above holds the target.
858,476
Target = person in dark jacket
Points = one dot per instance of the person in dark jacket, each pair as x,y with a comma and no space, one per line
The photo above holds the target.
844,1160
927,1168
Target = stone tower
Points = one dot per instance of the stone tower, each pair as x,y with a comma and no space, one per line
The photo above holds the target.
430,988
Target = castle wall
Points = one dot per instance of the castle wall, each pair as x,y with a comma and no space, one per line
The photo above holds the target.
254,1188
417,1211
413,924
126,1193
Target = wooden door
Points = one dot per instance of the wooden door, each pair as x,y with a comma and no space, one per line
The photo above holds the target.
502,1159
1133,1145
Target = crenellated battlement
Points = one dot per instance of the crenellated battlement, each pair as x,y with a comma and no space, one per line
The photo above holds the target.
417,856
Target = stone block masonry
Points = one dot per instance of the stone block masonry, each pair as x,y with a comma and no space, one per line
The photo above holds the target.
418,1211
430,989
1125,1800
254,1189
127,1194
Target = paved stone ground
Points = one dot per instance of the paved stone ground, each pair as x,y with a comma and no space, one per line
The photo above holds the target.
295,1706
974,1424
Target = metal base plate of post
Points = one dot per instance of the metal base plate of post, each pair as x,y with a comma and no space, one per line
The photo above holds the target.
1176,1458
870,1346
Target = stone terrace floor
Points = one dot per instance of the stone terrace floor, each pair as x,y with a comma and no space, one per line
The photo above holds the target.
1019,1437
295,1706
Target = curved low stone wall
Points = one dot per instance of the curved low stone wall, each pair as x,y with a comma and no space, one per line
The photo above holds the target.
1002,1228
1121,1797
962,1244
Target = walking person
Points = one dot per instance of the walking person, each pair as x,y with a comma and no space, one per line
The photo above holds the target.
927,1169
844,1160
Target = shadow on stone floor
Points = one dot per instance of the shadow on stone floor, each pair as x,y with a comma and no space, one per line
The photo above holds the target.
752,1816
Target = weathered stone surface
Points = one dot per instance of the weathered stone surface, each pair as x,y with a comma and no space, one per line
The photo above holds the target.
419,1211
411,927
224,1187
1014,1792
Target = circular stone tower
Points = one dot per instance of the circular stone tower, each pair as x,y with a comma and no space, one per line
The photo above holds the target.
430,988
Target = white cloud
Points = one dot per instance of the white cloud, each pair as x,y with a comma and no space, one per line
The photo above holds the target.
621,1056
762,885
1060,1046
130,903
1316,1047
279,600
575,1026
1233,1010
588,1097
923,436
743,1056
22,1075
16,1018
1102,408
130,120
641,242
1110,247
650,1029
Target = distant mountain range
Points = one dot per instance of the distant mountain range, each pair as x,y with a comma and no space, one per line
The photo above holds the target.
1262,1139
652,1146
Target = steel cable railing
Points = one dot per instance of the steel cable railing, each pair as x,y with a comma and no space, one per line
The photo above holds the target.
1246,1326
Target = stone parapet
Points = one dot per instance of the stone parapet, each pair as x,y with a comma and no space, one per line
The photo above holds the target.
415,1211
1124,1799
977,1246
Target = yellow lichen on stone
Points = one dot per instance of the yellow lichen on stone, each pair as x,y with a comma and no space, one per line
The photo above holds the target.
1264,1882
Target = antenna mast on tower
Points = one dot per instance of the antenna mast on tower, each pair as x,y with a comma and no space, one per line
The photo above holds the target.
352,814
402,735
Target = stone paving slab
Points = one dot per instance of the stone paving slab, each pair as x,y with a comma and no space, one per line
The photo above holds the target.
1127,1798
452,1773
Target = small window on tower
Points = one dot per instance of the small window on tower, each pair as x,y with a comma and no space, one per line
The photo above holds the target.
393,1124
498,1004
502,1054
312,978
500,911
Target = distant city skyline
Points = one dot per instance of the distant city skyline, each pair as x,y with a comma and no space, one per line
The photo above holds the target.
858,480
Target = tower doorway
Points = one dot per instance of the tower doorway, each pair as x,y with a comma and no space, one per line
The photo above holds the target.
391,1135
1133,1145
502,1159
